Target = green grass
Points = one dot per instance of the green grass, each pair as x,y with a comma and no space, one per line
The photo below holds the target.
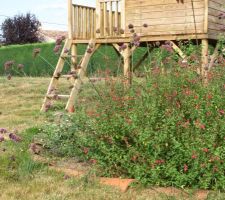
20,102
105,57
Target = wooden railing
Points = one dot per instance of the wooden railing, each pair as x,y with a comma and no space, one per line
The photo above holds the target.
109,18
83,22
101,22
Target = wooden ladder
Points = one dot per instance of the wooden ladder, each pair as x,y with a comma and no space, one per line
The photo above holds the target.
75,76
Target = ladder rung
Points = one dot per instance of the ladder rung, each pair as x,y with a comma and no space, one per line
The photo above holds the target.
57,97
70,76
70,56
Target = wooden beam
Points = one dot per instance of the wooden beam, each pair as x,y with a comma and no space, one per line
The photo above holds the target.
178,50
141,60
205,61
70,19
214,56
144,38
127,65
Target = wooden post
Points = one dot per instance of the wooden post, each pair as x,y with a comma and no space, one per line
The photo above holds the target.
105,20
70,19
205,61
123,15
74,46
110,18
127,65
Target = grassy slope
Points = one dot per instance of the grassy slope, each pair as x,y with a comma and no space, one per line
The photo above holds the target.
19,106
106,57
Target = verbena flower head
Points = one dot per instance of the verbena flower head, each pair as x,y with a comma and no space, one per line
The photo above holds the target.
9,64
20,66
36,52
14,137
3,130
9,77
122,47
2,139
57,48
60,39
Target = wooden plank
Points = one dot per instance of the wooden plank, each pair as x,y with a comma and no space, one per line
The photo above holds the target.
205,61
214,56
127,64
70,21
145,38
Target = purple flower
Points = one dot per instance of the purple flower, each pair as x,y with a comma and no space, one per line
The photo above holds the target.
9,76
34,148
66,51
221,16
20,66
36,52
137,38
122,47
3,130
167,48
137,43
60,39
15,137
57,48
89,50
9,64
48,106
2,138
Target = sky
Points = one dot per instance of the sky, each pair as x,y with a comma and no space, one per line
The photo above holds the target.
47,11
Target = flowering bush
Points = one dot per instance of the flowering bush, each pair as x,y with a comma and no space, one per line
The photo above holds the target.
166,130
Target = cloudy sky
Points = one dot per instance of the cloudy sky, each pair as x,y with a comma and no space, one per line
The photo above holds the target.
47,11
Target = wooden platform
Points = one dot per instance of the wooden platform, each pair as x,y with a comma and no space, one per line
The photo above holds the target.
152,20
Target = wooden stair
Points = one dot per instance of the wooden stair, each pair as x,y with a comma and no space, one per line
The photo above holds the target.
75,76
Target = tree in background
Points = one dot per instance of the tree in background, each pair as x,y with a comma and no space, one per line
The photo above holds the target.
21,29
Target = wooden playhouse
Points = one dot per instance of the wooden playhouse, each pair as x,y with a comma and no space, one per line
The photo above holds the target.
115,21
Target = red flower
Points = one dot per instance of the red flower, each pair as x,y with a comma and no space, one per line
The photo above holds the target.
134,158
93,161
185,168
222,112
194,156
206,150
215,169
209,96
159,162
85,150
202,126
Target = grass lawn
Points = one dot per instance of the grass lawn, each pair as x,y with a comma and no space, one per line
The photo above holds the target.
20,102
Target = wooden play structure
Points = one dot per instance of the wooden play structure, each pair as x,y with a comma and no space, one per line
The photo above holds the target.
113,22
